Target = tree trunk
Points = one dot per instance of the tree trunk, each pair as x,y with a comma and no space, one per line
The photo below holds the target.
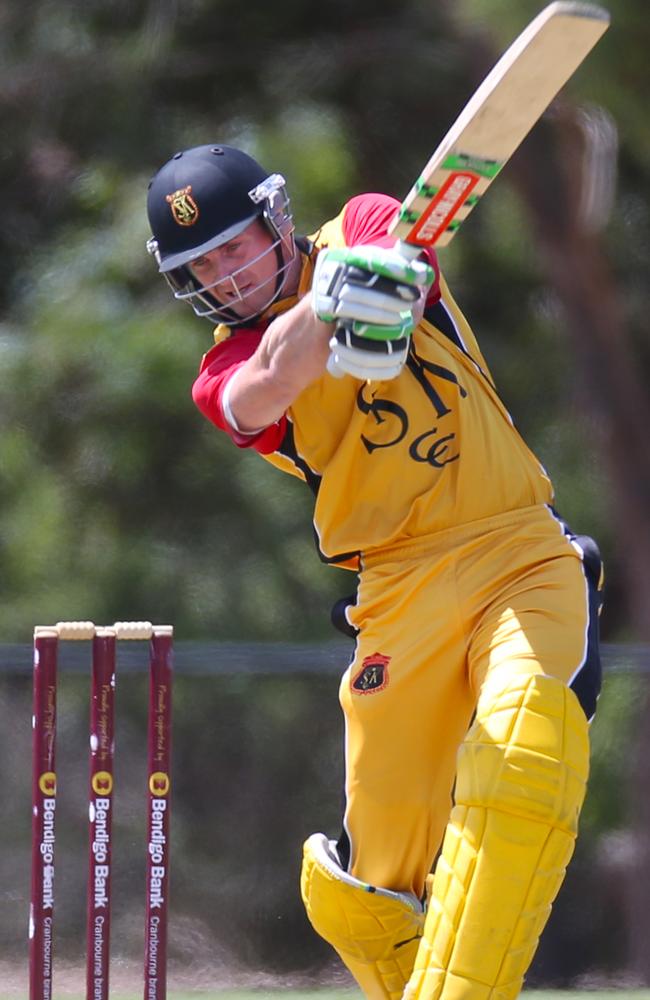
602,352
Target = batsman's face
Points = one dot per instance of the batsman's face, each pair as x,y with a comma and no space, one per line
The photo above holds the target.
242,273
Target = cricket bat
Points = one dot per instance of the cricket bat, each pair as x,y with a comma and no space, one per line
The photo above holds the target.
513,96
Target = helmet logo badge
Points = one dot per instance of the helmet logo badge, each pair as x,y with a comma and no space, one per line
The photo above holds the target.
184,208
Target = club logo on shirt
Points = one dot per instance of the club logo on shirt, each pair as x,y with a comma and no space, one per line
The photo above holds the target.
373,675
183,207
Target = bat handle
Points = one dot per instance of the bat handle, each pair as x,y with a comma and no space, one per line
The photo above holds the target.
408,250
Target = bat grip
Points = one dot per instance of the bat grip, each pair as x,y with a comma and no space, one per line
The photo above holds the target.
408,250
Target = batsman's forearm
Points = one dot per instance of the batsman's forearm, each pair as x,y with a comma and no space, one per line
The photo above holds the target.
292,353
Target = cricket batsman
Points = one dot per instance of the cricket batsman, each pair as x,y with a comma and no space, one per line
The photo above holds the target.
475,669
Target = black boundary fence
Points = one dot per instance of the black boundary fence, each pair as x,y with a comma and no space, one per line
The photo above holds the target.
201,658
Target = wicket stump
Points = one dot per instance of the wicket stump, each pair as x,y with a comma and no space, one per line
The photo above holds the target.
100,811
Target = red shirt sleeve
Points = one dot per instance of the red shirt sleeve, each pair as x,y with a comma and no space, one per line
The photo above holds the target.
217,367
365,221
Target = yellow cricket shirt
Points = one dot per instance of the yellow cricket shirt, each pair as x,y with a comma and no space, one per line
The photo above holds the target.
392,460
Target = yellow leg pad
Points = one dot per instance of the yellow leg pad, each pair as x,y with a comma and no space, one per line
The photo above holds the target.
521,782
375,931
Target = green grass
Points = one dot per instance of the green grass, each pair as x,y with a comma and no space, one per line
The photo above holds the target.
327,994
330,994
271,994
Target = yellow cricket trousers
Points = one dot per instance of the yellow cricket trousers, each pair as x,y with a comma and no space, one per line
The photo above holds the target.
434,618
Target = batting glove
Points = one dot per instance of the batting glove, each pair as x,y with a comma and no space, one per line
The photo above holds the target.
370,292
371,288
364,358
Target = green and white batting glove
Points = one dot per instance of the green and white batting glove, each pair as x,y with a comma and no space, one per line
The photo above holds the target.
369,286
370,293
364,358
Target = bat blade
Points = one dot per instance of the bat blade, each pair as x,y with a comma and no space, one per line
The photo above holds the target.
498,117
